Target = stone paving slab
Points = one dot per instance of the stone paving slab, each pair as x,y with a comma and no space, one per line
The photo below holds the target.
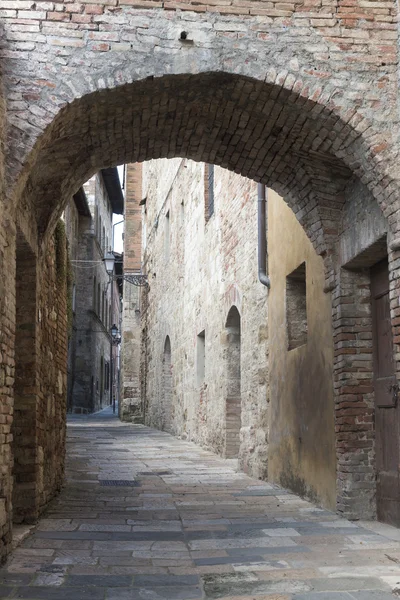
190,528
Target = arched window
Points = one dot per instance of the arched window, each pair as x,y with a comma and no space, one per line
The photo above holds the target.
233,400
166,403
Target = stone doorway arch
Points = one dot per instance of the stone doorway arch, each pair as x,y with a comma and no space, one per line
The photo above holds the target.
166,388
285,135
233,383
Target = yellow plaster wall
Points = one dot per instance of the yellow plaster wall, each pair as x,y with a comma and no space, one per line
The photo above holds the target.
301,426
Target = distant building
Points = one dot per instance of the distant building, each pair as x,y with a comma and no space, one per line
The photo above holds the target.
88,220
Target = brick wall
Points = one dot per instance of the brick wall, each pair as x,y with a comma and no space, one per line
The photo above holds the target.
324,104
52,368
7,373
40,375
130,408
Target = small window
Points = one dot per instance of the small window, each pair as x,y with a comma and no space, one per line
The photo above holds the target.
94,294
167,236
98,299
96,220
101,376
74,298
107,376
209,191
201,358
296,307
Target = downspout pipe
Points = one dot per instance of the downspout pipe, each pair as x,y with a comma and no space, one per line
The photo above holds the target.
262,237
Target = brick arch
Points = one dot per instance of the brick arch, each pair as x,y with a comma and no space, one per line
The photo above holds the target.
294,144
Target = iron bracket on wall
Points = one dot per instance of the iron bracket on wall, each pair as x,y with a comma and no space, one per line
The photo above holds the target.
137,279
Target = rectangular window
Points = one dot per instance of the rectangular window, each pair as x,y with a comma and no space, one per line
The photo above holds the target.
296,307
208,191
107,376
94,294
96,219
201,358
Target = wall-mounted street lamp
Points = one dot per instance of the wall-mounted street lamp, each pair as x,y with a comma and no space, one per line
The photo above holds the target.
109,262
115,335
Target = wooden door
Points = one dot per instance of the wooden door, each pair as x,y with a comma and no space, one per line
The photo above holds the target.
386,405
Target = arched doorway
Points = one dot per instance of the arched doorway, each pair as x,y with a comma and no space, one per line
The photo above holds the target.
233,418
166,389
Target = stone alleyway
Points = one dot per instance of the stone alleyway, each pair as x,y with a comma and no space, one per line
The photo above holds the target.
146,516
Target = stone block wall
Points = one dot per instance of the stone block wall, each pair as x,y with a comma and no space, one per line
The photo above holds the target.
216,365
207,266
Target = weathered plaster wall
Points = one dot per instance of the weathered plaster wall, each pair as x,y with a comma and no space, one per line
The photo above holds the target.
206,267
301,440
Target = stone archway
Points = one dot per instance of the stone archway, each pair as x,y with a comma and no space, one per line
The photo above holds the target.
258,129
274,127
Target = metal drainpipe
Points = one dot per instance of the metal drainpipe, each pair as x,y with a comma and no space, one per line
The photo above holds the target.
262,237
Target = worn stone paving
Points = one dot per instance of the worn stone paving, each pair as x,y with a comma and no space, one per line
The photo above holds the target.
180,524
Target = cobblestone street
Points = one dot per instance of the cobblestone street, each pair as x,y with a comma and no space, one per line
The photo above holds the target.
146,516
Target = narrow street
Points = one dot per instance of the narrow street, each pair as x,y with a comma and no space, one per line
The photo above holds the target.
146,516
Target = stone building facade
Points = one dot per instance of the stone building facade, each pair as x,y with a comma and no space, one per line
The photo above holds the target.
302,97
88,220
216,365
